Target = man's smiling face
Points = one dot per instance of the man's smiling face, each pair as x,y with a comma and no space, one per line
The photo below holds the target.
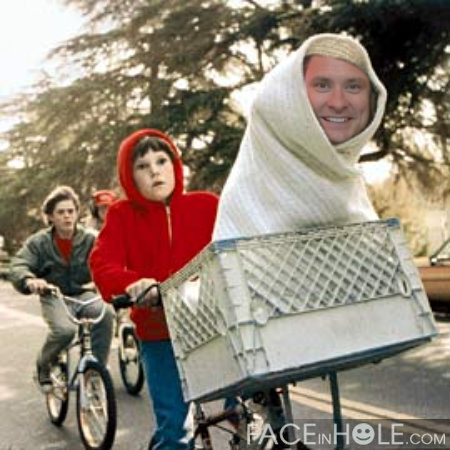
339,93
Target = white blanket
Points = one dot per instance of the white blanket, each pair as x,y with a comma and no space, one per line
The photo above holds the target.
287,174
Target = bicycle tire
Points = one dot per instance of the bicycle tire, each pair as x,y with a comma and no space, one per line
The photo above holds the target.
96,407
57,400
130,366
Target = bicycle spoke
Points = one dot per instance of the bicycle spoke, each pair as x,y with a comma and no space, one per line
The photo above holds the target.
58,397
94,412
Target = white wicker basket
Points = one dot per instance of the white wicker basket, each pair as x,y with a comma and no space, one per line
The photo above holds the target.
258,312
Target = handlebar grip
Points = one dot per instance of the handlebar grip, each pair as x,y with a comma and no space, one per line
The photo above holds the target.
125,301
49,291
122,301
141,296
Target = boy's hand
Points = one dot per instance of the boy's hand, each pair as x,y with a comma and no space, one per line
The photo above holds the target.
39,286
151,298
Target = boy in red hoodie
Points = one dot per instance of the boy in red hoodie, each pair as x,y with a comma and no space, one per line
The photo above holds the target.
146,238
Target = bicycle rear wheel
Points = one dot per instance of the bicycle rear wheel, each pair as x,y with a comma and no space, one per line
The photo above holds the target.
57,399
96,407
130,365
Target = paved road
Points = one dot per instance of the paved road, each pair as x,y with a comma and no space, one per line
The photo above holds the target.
23,418
411,386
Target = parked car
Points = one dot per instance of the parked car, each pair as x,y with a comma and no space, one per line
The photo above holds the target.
435,275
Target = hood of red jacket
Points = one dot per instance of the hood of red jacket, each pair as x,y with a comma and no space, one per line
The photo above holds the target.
125,167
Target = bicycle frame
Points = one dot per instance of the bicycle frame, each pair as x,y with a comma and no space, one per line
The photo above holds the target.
84,336
121,325
203,422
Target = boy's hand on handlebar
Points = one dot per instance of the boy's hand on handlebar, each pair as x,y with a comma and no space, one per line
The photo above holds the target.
151,299
40,286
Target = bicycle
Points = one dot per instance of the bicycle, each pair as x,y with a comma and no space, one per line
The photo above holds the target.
96,403
130,367
260,410
262,422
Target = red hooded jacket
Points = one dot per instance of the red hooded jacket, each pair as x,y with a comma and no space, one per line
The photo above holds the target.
146,239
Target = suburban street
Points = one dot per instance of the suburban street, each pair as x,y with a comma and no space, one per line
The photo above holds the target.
414,385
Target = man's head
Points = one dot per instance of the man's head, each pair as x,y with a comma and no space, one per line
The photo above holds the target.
60,209
336,71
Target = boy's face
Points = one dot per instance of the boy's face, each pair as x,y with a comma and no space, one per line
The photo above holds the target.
64,217
339,93
154,176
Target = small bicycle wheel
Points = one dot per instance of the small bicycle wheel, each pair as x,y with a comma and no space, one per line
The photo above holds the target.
57,399
130,365
96,407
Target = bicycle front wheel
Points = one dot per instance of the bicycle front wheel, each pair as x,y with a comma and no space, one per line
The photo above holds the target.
57,399
96,407
130,365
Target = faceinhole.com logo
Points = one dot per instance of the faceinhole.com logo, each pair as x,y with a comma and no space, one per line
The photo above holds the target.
363,434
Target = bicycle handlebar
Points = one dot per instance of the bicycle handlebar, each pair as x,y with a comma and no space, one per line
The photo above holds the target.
83,303
50,290
122,301
125,301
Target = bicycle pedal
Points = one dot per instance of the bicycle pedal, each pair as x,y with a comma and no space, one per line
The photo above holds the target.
45,388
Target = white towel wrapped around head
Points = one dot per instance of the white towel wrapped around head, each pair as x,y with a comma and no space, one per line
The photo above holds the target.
287,174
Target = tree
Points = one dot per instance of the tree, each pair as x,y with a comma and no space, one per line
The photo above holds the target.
178,66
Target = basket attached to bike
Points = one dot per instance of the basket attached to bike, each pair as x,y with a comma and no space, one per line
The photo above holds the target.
269,310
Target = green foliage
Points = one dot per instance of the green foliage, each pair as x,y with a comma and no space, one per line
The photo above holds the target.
177,65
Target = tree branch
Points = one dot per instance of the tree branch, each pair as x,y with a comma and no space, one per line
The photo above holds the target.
374,156
255,4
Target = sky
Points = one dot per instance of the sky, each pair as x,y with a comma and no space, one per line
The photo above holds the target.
29,29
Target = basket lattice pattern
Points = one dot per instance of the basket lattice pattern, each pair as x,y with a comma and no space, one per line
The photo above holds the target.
196,324
298,273
292,273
